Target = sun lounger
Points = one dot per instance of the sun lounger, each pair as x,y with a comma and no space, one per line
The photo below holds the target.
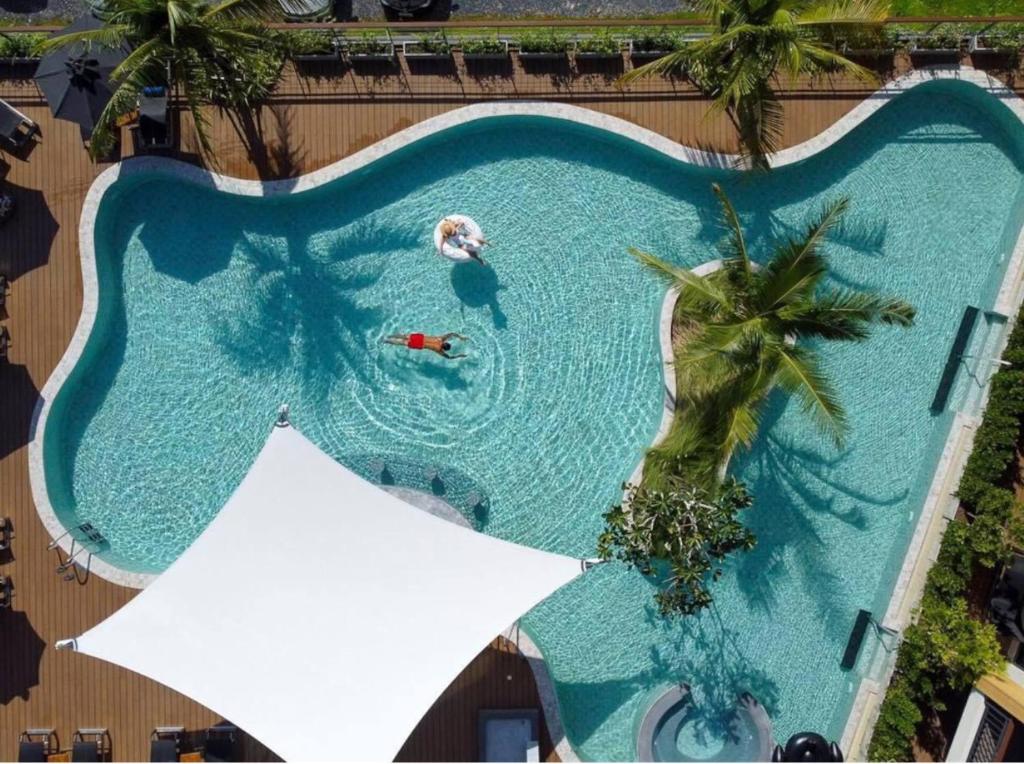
15,128
6,534
91,744
220,743
165,744
154,131
37,744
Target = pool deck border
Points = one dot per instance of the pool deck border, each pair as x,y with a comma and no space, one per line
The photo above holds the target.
924,542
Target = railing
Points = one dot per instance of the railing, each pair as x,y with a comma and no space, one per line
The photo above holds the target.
990,734
916,34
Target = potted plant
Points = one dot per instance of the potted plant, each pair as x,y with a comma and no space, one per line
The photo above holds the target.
543,44
368,47
20,47
312,45
941,46
484,49
649,45
428,48
598,46
1000,46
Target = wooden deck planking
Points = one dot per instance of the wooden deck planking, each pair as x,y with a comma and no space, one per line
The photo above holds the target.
315,118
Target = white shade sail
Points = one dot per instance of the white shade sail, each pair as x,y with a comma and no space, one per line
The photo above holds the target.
319,613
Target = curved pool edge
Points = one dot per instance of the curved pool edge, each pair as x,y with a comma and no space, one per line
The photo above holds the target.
1008,294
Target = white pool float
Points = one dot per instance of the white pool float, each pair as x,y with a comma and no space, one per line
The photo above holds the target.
471,240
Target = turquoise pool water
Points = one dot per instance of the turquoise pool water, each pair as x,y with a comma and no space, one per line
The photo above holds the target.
216,308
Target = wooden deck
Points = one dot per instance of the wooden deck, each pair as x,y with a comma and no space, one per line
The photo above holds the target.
318,116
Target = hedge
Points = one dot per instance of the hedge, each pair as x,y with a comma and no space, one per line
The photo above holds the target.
945,649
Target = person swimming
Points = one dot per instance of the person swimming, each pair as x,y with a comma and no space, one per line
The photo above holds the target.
455,234
418,341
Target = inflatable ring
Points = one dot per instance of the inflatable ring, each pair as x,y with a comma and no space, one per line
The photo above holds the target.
447,248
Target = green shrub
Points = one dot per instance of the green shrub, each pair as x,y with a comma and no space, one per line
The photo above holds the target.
434,45
20,44
483,45
543,41
990,535
949,576
897,723
602,43
308,42
647,40
367,44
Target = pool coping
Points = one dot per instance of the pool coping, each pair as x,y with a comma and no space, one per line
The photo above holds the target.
907,588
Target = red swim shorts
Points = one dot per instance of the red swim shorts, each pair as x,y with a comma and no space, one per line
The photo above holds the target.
416,341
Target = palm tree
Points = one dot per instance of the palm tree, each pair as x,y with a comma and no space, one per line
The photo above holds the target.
742,331
207,51
754,42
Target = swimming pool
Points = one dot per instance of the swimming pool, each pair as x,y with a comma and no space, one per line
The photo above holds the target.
215,308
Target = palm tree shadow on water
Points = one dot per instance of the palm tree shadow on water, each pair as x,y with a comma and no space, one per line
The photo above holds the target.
791,484
305,313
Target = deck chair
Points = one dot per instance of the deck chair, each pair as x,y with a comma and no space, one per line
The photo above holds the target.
220,743
15,128
6,593
37,744
154,130
91,744
165,744
6,534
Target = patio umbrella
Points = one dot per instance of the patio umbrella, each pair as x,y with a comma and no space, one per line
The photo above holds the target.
75,79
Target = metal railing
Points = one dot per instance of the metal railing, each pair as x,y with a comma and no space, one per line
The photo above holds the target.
990,734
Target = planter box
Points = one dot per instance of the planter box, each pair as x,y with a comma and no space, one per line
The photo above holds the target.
648,55
20,61
380,57
316,58
935,54
592,56
539,56
485,56
414,56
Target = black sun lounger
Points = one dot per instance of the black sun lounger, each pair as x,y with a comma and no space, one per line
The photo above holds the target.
220,743
37,744
165,744
91,745
154,119
15,128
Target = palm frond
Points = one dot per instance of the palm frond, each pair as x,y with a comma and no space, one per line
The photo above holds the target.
736,246
858,12
671,63
846,315
797,267
799,374
696,292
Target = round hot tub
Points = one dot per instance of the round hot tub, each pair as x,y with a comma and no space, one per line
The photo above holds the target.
675,728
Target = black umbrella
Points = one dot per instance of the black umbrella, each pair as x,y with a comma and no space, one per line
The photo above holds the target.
75,78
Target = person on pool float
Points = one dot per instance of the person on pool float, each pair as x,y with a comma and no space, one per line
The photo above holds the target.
455,234
417,341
